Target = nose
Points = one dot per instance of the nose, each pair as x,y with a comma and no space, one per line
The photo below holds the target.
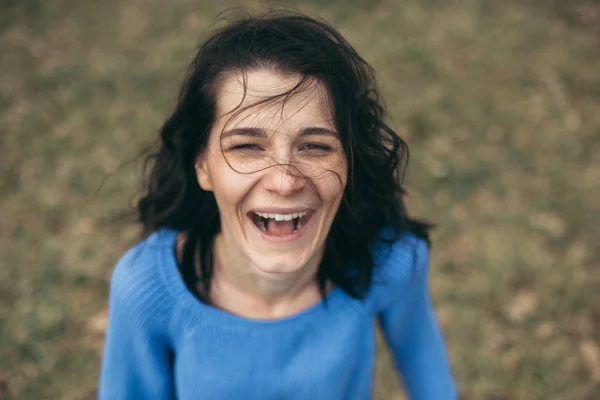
284,180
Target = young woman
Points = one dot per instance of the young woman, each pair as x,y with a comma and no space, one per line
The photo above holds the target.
275,234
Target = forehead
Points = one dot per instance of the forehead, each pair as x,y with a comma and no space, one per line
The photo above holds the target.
305,105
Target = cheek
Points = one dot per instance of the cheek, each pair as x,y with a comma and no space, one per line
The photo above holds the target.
331,187
329,173
336,181
227,192
230,190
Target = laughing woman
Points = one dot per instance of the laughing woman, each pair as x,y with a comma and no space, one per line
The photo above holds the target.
275,234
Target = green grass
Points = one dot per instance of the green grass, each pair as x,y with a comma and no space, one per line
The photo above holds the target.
498,100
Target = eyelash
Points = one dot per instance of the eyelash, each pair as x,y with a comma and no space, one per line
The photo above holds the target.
248,146
318,147
313,146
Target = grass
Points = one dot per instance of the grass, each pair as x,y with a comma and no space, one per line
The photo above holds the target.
498,101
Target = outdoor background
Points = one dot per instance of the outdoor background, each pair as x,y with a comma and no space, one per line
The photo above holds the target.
498,100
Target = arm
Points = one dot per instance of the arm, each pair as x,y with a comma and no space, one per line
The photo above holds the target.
413,335
136,363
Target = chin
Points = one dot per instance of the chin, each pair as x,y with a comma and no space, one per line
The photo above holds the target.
280,264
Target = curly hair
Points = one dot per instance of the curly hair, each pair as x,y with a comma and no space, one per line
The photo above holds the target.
376,156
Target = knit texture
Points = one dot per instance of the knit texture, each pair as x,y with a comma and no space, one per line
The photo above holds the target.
162,343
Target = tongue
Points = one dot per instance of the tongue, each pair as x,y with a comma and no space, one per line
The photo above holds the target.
280,228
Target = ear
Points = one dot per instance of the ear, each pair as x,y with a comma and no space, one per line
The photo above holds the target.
203,174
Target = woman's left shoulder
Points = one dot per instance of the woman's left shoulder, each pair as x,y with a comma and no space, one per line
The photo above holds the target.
399,261
400,253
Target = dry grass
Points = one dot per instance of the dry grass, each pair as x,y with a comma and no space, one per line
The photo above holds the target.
499,101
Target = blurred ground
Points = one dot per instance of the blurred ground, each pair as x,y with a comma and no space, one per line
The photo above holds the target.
499,100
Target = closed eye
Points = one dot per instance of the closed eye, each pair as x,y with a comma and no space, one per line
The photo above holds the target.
315,146
246,146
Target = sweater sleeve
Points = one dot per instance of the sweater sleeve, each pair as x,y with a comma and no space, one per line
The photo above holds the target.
136,363
412,333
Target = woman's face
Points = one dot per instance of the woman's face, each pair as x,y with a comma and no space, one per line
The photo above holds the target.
272,219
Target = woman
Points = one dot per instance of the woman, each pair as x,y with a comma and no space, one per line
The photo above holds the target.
274,234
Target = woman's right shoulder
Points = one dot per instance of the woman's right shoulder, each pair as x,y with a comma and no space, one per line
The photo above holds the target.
139,293
138,271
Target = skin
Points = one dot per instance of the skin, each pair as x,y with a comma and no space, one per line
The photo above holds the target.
255,161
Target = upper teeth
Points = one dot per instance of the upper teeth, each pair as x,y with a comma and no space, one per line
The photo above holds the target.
282,217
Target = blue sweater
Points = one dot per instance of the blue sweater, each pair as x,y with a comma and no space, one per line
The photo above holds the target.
162,343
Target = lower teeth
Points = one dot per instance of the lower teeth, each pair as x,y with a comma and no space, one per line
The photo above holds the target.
262,223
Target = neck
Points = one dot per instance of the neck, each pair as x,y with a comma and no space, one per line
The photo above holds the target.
249,292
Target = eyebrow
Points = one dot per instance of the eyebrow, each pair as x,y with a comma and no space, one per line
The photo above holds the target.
315,130
260,133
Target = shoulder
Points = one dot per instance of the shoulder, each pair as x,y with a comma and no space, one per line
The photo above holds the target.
400,264
137,267
137,285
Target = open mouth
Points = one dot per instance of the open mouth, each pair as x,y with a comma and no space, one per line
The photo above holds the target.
280,224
